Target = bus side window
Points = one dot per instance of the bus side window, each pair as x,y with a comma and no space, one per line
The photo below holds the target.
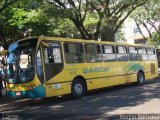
52,59
52,54
93,53
39,68
74,52
133,54
142,54
122,53
108,53
151,54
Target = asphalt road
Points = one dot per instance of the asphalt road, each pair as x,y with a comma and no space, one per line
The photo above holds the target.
108,103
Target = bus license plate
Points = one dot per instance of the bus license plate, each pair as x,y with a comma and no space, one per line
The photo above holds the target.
18,93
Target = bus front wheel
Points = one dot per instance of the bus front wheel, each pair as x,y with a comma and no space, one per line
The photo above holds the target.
140,78
78,88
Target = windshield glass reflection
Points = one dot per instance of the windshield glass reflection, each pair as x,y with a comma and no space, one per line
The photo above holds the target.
20,64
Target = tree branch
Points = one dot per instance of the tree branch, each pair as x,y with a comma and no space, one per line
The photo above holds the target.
57,3
139,28
152,24
6,4
98,28
124,18
85,11
150,34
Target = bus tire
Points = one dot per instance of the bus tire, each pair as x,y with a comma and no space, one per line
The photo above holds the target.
78,88
140,78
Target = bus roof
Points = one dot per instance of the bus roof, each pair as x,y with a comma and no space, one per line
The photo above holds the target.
83,41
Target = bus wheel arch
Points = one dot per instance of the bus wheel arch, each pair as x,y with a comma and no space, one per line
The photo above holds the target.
78,87
140,77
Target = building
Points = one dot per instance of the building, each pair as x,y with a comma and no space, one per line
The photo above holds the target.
132,33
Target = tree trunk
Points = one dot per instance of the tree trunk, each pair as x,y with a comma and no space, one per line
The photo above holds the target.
108,34
150,34
140,29
79,25
3,41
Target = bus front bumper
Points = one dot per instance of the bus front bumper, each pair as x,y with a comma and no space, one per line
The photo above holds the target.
38,92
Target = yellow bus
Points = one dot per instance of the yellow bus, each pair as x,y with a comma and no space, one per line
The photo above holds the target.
49,66
158,59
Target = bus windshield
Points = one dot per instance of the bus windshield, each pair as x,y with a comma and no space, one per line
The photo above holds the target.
21,62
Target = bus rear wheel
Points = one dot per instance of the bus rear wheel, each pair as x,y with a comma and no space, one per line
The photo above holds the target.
140,78
78,88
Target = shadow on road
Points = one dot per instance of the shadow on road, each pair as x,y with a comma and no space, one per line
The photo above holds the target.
92,106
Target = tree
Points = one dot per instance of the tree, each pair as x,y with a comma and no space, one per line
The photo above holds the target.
148,16
17,19
5,4
32,18
63,26
110,15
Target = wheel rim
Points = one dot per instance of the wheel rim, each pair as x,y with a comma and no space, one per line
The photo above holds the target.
78,89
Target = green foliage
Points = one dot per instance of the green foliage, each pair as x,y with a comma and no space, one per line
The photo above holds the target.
90,22
17,19
120,36
64,28
92,17
156,38
85,19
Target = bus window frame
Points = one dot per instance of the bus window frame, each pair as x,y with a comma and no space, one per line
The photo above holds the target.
113,52
83,53
117,52
62,60
139,55
39,47
154,53
49,41
129,53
